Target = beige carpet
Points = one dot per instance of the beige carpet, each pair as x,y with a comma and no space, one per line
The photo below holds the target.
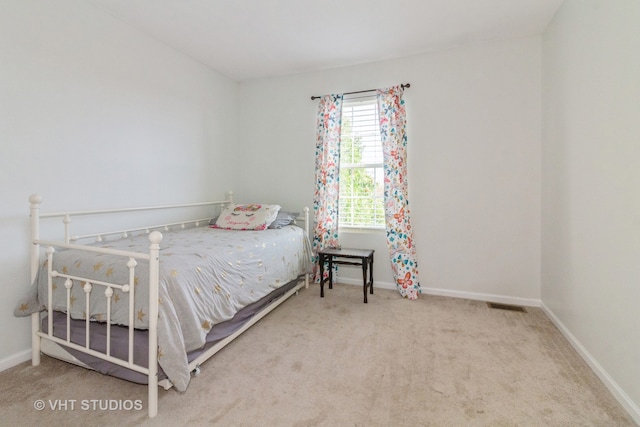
338,362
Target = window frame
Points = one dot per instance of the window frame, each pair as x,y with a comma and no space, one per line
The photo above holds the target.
349,103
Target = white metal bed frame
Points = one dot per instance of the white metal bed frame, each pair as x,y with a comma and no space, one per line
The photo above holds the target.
153,256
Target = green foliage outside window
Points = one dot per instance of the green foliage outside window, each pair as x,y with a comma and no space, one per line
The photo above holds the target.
361,201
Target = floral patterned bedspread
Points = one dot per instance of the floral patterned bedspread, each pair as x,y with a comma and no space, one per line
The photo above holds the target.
206,276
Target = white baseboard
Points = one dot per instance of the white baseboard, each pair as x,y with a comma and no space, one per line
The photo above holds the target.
14,360
501,299
454,294
631,407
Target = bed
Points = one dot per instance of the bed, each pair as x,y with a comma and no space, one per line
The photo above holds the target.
150,304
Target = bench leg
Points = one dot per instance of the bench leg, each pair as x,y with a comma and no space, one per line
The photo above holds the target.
330,272
371,274
365,264
321,262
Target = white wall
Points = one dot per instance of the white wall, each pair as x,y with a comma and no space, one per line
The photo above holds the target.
591,186
94,114
474,160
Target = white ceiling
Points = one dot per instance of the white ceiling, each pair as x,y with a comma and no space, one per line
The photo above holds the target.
247,39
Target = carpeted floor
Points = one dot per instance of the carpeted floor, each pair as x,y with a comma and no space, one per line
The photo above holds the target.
338,362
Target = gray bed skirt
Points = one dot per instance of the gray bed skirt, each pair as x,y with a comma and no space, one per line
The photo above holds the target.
120,338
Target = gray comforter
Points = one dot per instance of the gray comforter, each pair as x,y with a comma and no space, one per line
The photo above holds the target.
206,276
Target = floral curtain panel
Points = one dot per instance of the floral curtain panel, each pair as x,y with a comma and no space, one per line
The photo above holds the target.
325,198
397,217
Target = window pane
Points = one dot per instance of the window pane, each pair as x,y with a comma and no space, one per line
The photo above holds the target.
361,197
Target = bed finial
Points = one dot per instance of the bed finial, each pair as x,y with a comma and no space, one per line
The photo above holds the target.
35,199
230,196
155,237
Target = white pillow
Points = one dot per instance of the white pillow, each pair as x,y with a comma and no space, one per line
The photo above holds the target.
247,217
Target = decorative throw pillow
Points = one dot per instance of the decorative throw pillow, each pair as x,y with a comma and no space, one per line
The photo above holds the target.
247,217
284,218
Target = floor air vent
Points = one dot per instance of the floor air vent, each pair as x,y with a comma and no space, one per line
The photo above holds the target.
506,307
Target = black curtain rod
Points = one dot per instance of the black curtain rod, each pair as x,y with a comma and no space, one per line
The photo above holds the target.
313,98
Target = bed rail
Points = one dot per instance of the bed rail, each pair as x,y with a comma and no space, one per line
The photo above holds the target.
36,200
125,232
88,287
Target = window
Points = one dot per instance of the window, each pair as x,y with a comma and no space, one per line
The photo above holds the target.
361,164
